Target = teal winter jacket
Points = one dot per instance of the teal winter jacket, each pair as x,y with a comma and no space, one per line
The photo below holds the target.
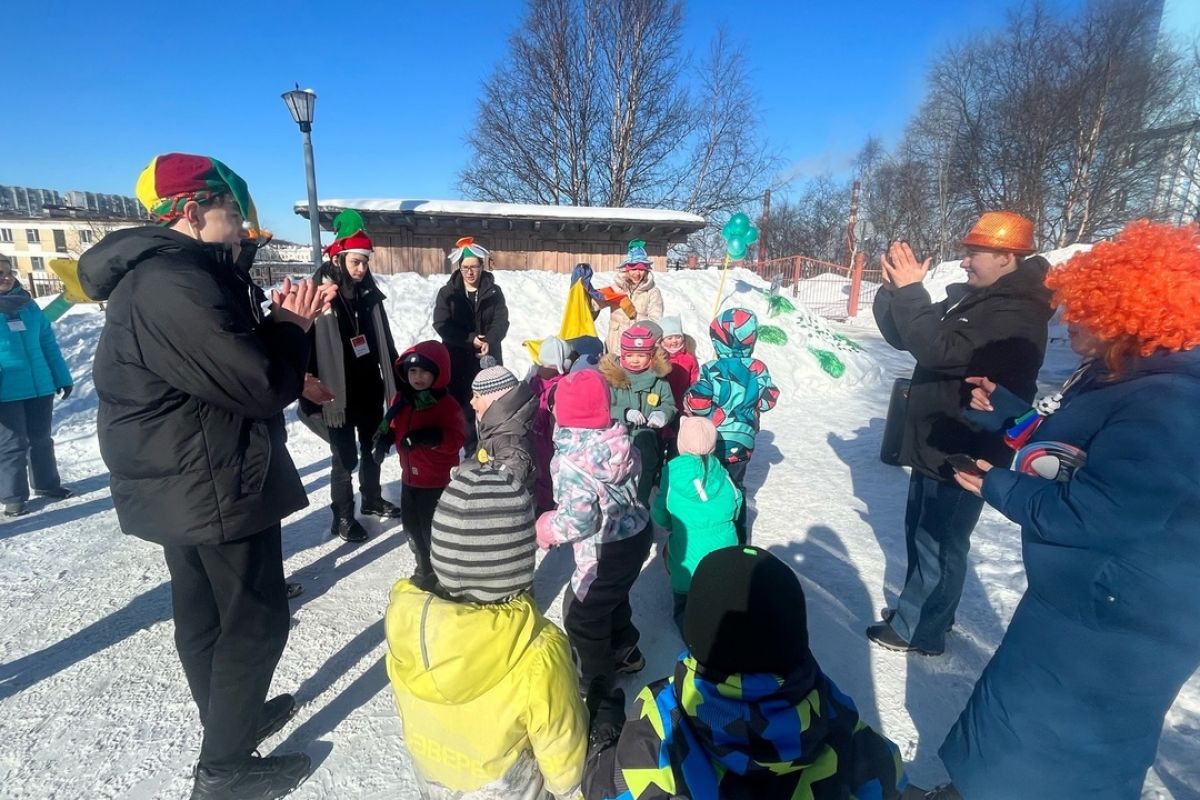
31,365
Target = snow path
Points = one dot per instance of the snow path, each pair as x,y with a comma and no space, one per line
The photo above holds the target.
93,702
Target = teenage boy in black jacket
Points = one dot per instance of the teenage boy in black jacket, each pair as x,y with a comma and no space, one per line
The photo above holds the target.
994,325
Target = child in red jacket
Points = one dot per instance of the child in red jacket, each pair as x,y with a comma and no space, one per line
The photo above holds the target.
429,429
685,371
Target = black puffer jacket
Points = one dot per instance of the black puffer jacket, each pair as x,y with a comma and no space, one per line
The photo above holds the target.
506,434
998,332
192,382
458,321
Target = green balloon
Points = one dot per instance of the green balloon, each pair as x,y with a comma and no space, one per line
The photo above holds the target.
738,224
751,236
736,247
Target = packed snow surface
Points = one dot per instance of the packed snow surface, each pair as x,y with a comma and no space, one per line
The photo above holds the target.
93,703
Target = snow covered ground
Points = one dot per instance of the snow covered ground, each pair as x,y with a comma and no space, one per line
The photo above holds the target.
93,702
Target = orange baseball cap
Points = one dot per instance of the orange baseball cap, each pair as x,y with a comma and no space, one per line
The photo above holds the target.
1002,230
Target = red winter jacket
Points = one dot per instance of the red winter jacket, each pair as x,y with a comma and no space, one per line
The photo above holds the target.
422,466
685,371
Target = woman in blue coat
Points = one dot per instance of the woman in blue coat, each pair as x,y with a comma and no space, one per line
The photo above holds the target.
1072,703
31,371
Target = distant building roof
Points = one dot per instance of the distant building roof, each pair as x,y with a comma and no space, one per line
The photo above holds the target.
401,212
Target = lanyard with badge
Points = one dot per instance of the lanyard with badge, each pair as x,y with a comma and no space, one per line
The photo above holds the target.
358,342
16,324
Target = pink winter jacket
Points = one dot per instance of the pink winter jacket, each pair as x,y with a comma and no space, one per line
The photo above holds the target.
595,485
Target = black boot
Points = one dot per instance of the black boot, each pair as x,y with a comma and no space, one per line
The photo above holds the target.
883,635
348,528
257,779
60,493
275,714
886,615
380,508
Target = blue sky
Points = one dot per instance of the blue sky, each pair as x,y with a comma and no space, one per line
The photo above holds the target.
97,88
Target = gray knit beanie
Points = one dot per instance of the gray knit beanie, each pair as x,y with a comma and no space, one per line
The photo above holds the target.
483,539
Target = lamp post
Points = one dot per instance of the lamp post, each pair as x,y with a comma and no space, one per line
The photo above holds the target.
301,103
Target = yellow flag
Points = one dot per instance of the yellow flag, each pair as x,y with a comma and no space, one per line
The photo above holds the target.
577,316
67,270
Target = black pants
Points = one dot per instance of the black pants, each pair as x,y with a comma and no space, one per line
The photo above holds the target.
231,624
26,448
416,514
346,444
737,474
600,625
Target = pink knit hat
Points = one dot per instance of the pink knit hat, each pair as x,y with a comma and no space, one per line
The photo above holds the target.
697,436
638,339
581,401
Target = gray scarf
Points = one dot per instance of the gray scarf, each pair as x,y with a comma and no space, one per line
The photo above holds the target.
332,365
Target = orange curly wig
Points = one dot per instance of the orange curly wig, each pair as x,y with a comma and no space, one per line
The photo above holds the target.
1140,291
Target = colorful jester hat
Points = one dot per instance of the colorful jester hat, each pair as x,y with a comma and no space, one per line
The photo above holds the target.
170,181
636,258
467,248
349,235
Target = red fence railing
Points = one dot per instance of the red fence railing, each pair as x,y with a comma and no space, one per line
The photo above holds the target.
832,290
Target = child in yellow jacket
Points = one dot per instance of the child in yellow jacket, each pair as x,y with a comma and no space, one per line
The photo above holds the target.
484,683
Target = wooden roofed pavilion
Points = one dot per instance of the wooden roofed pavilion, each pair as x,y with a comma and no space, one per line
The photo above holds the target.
417,235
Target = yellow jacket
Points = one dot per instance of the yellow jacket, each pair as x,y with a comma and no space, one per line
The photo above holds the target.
488,695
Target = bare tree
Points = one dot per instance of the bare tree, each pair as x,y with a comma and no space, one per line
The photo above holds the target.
595,106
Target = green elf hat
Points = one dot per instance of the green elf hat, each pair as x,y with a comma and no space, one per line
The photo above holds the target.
466,248
170,181
350,235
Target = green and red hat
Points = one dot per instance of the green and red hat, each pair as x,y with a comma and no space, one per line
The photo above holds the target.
170,181
350,235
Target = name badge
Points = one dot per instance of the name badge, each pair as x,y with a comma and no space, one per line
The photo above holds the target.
359,343
652,399
16,325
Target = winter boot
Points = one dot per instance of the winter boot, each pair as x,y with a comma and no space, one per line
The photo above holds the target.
257,779
61,493
630,661
883,635
886,615
14,509
275,714
349,529
380,508
294,590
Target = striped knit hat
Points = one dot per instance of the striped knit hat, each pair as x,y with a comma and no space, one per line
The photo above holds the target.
483,537
493,380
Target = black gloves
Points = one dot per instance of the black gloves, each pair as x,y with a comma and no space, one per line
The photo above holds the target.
381,443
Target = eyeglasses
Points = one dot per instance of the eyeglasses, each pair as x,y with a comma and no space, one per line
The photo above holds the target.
473,268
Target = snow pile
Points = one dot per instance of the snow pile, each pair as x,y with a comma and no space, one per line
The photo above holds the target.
93,702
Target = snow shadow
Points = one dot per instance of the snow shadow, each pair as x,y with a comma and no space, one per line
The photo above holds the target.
154,606
44,513
766,455
552,575
339,707
837,601
883,490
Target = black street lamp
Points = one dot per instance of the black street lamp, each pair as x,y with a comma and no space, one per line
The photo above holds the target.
302,103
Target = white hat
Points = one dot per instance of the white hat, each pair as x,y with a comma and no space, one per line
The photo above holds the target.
671,326
554,353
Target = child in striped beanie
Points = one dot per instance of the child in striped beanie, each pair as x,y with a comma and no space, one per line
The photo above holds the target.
484,682
504,414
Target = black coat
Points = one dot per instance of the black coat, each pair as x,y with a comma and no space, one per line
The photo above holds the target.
364,384
998,332
192,383
458,321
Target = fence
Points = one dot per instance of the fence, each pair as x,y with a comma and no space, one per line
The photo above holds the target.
43,284
832,290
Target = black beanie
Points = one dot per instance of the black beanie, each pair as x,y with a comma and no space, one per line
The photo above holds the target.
746,613
420,361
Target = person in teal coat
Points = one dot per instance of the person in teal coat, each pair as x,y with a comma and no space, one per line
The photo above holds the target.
32,370
698,504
